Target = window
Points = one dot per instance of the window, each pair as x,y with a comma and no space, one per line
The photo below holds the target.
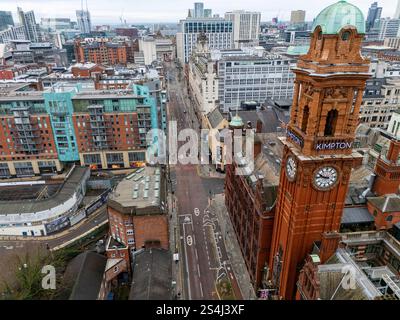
346,35
306,114
330,125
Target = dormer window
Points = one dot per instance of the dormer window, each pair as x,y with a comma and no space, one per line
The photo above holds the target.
346,35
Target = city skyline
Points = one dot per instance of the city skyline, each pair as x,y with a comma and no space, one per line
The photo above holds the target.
168,13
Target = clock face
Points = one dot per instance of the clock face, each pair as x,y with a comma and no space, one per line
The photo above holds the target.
325,178
291,168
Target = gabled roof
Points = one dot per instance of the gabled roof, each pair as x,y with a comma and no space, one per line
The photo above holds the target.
152,275
88,270
388,203
215,117
356,215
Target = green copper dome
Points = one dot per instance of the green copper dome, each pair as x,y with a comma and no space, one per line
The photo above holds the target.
236,122
333,18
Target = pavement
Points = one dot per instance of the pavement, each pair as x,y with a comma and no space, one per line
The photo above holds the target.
233,248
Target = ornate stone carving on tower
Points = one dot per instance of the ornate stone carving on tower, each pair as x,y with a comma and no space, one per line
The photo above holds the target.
318,156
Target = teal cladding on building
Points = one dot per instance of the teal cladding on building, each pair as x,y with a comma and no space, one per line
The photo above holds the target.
60,108
61,105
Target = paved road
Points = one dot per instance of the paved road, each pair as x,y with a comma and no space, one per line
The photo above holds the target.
203,252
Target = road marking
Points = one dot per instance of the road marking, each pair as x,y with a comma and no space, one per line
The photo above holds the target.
187,265
201,290
196,212
198,270
189,240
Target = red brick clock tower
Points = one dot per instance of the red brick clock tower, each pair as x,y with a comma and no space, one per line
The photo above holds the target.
318,156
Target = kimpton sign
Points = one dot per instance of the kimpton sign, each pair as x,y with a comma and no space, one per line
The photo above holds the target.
337,145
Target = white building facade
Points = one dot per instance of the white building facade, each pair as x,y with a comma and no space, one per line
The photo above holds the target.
219,33
203,79
381,99
246,77
394,124
389,28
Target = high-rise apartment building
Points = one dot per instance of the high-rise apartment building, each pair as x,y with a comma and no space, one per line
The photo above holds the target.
207,13
219,33
6,20
99,128
12,33
389,28
246,27
84,21
27,19
198,10
374,15
297,17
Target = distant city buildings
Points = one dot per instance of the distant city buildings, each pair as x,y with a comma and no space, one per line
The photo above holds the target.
374,15
56,24
6,20
218,31
246,27
152,49
397,13
28,20
199,11
103,51
389,28
13,33
84,21
297,17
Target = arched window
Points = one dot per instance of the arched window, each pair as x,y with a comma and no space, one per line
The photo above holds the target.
304,123
346,35
331,121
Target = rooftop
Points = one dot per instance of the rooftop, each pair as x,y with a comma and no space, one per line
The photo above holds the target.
387,203
152,275
88,269
139,193
359,215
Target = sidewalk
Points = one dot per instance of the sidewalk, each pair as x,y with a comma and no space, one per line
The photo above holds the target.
233,248
174,242
208,171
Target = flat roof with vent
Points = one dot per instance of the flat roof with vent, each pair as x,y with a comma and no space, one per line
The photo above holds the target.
141,192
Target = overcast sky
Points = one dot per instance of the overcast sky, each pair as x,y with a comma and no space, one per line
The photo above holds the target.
135,11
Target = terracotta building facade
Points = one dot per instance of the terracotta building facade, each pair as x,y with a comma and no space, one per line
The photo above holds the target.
318,156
